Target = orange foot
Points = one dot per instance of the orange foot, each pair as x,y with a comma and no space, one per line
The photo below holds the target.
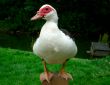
46,76
65,75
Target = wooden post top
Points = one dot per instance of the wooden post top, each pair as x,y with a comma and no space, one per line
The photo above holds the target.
56,80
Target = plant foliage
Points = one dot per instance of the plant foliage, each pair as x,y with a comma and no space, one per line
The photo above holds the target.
75,15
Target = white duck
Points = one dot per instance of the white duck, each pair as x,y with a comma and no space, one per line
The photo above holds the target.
52,45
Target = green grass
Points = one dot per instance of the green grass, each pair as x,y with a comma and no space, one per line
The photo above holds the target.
23,68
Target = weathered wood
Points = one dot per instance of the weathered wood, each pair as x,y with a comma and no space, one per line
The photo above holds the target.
99,49
56,80
100,46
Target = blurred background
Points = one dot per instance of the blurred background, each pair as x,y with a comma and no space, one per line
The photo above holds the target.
86,20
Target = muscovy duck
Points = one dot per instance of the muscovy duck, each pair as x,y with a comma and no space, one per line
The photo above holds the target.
52,45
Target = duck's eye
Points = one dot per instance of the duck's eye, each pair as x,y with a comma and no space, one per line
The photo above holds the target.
46,9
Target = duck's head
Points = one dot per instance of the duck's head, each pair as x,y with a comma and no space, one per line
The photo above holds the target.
46,12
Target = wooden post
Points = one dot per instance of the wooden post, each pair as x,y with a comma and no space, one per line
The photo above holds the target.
56,80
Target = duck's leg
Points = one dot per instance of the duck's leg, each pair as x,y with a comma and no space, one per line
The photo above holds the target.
46,75
64,74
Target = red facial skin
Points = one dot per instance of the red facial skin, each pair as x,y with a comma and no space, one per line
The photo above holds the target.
42,12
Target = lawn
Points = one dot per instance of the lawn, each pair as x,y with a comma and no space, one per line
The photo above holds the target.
23,68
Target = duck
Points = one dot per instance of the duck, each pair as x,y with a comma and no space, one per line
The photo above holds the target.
53,46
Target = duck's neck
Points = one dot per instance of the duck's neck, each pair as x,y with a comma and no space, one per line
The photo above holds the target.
52,18
51,24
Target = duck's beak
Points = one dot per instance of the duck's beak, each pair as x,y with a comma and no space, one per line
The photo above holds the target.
37,16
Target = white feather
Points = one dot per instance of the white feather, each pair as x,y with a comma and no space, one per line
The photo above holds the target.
53,45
